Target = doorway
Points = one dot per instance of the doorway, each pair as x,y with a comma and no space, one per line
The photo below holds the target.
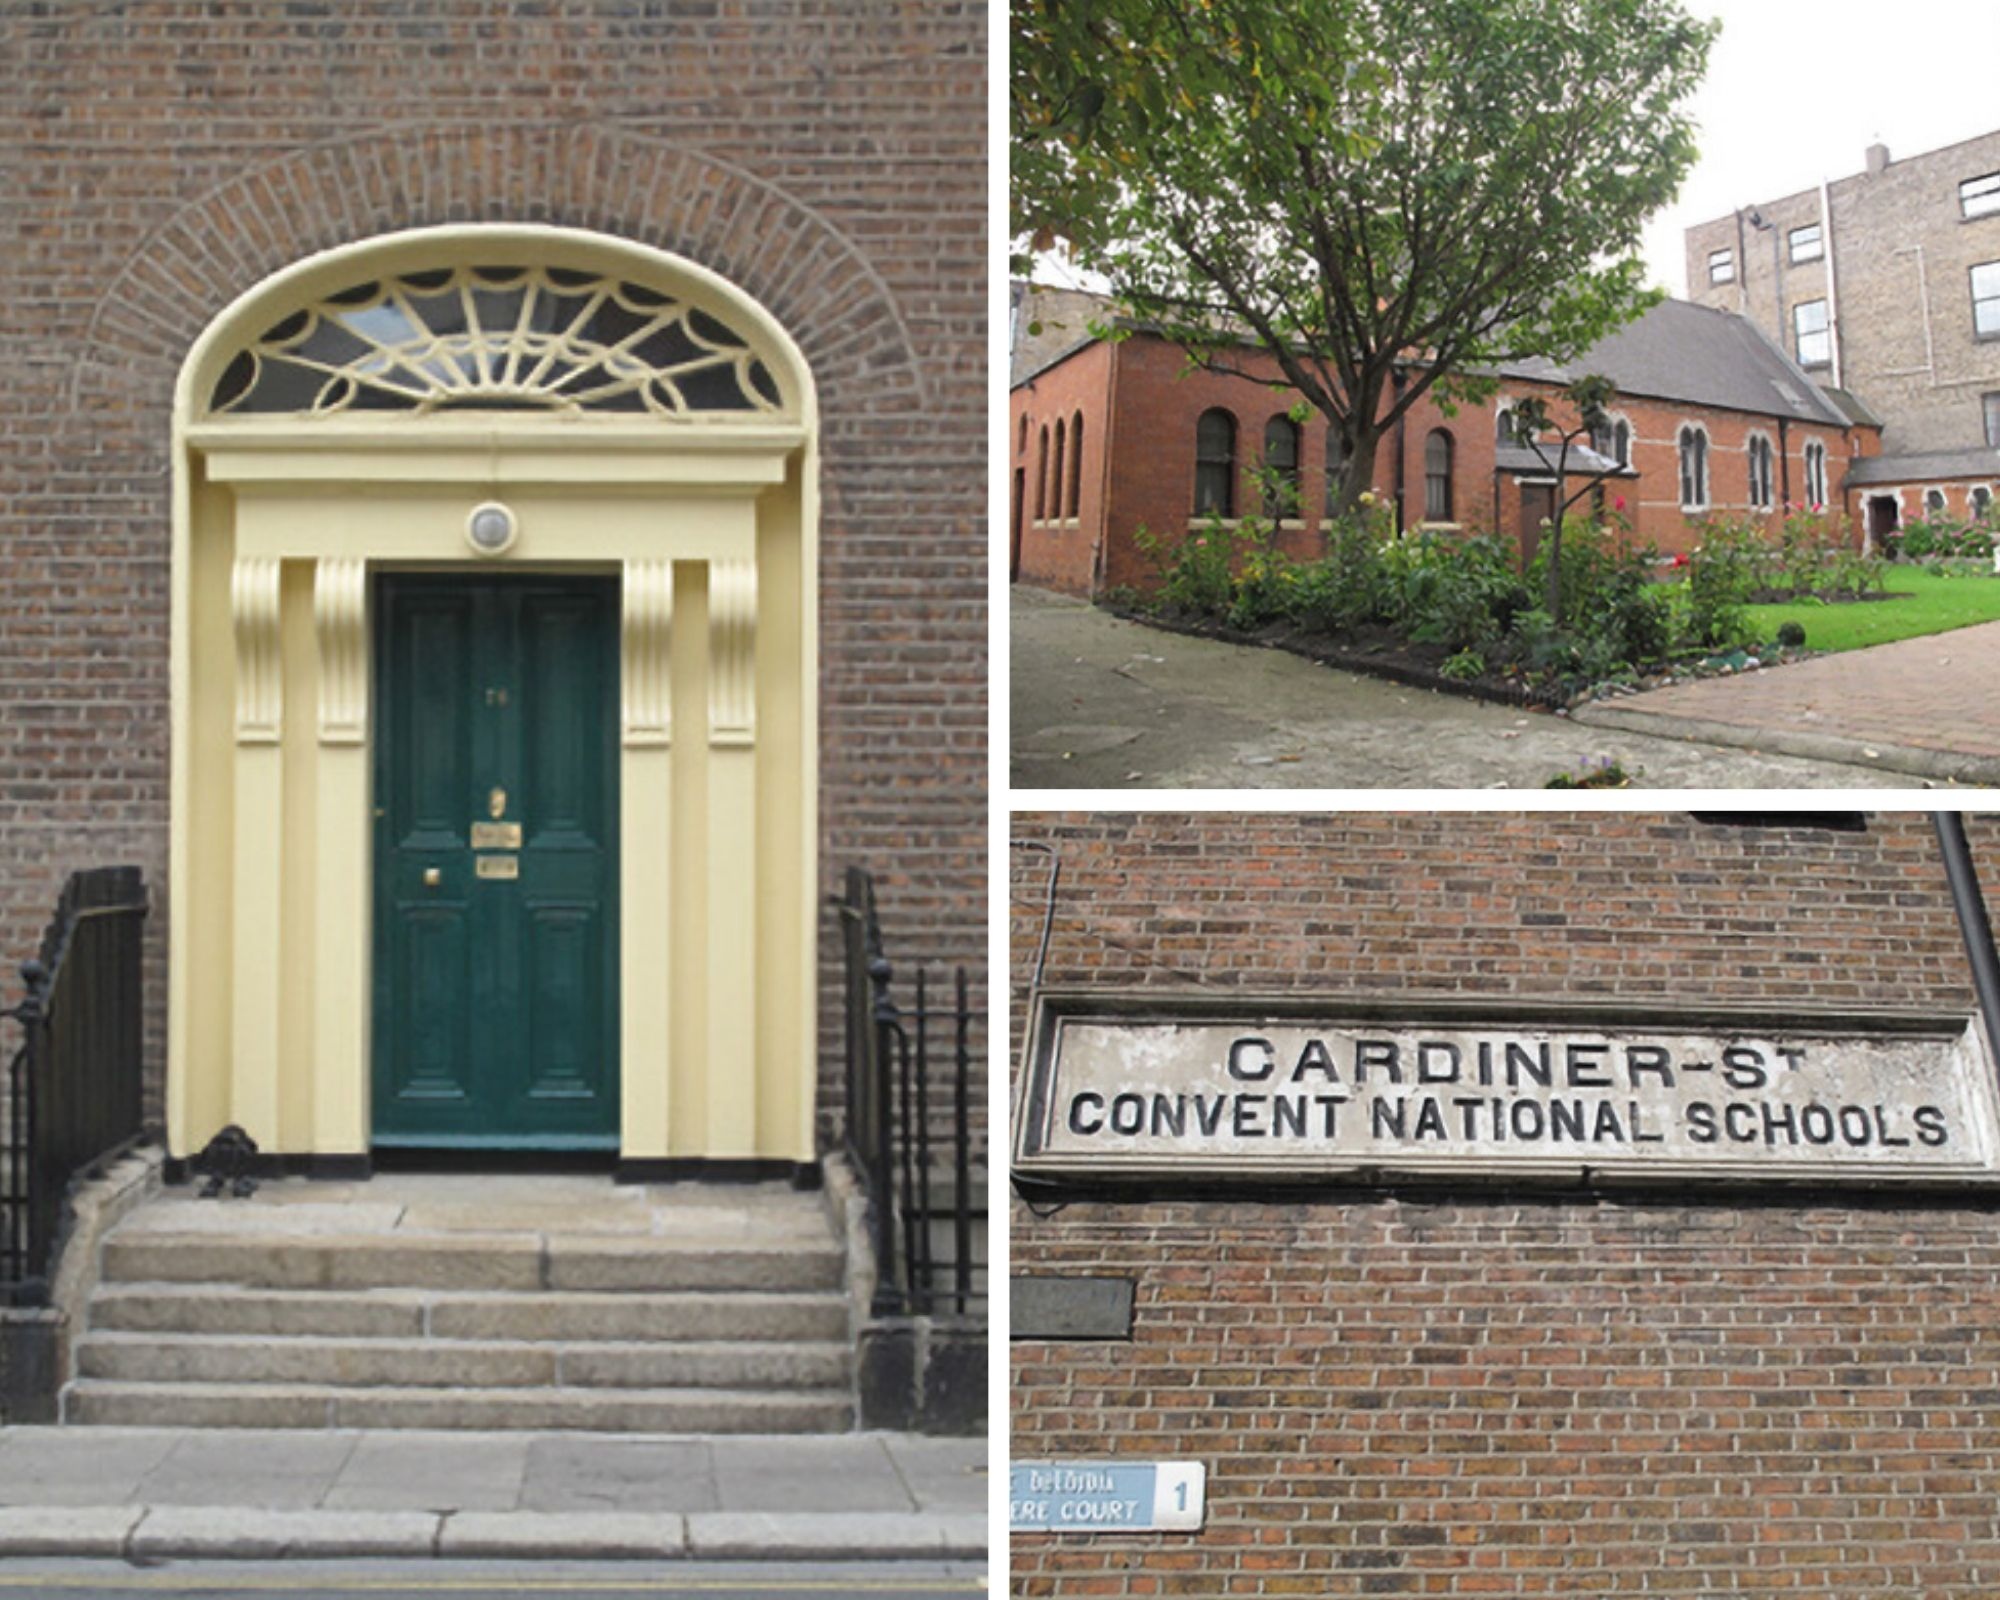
1538,508
496,828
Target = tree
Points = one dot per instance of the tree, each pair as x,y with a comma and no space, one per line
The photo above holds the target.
1588,397
1390,197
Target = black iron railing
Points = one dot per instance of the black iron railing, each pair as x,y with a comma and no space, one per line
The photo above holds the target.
74,1087
912,1129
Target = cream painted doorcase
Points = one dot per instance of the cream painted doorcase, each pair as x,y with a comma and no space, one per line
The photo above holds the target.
428,486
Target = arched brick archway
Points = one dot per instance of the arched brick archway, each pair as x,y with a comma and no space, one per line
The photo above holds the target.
812,277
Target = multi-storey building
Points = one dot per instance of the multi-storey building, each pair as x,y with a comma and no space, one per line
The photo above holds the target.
1885,284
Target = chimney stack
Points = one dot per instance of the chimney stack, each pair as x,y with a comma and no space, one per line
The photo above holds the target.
1878,159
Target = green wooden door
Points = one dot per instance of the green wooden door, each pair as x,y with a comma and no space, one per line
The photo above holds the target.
496,828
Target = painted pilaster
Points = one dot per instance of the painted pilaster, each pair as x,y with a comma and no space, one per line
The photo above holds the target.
256,613
344,920
732,858
646,815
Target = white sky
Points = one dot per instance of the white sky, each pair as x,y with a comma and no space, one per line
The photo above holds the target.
1798,89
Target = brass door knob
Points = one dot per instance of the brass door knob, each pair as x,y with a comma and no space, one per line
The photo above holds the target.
432,877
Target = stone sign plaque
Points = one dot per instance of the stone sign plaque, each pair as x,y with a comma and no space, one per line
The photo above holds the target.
1279,1088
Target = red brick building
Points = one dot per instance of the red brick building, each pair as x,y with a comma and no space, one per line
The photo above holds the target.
1452,1387
1711,418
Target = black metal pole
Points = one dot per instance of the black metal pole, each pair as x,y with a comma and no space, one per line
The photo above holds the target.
1970,905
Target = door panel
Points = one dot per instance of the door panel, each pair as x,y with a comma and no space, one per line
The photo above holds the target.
496,995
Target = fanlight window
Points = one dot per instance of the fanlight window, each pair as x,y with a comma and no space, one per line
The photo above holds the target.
498,338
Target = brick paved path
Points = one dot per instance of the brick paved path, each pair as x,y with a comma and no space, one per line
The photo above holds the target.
1920,705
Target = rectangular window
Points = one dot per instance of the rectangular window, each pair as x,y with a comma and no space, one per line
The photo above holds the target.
1814,343
1986,300
1991,403
1980,197
1721,266
1805,244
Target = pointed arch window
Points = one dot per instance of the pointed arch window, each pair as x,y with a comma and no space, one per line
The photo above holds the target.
1215,464
1336,464
1042,477
1694,468
1760,472
1815,474
1075,463
1056,478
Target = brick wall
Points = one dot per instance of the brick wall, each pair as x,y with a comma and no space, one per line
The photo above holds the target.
1506,1395
1056,490
160,158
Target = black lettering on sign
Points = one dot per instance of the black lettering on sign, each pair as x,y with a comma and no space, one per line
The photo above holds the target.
1315,1058
1855,1126
1793,1056
1701,1122
1388,1118
1639,1133
1608,1126
1468,1114
1208,1113
1882,1133
1641,1059
1524,1118
1565,1120
1930,1126
1776,1118
1288,1116
1263,1062
1377,1053
1086,1114
1128,1113
1330,1104
1430,1119
1534,1063
1170,1116
1743,1067
1249,1107
1585,1066
1438,1061
1816,1122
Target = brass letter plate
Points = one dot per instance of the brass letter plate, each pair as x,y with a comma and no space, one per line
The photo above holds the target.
499,866
496,836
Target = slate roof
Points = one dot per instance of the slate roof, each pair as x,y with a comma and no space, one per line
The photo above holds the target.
1682,351
1522,462
1931,467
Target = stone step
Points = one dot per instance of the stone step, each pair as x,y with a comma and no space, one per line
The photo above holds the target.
488,1261
448,1363
539,1316
664,1410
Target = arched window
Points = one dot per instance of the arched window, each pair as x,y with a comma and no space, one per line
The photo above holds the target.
1621,443
1760,472
1982,503
1215,464
1815,474
1336,463
1694,468
497,336
1504,430
1075,462
1281,465
1021,444
1042,477
1056,477
1437,476
1934,502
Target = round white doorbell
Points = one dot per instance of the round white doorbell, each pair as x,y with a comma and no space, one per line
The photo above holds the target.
492,528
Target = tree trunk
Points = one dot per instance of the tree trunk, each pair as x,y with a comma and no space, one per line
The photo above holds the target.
1358,472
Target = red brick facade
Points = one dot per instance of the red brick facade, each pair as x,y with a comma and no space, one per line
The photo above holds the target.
1512,1394
163,157
1151,405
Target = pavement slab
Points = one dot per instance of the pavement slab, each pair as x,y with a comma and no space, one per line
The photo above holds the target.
258,1494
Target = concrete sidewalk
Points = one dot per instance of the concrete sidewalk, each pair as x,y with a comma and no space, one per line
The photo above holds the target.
154,1493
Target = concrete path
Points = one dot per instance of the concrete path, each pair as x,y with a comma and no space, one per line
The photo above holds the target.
1101,703
142,1494
1921,707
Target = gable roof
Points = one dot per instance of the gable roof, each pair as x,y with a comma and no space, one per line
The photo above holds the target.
1676,351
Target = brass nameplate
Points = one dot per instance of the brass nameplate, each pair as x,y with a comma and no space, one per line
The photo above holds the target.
499,866
496,836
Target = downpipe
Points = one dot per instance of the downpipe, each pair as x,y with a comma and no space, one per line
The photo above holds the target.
1970,905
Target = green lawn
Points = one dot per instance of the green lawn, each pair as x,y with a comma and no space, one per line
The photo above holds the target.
1920,602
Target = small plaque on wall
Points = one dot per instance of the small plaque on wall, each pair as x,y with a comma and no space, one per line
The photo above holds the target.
1106,1496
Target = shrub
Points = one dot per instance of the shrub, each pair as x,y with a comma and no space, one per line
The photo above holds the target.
1723,572
1791,635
